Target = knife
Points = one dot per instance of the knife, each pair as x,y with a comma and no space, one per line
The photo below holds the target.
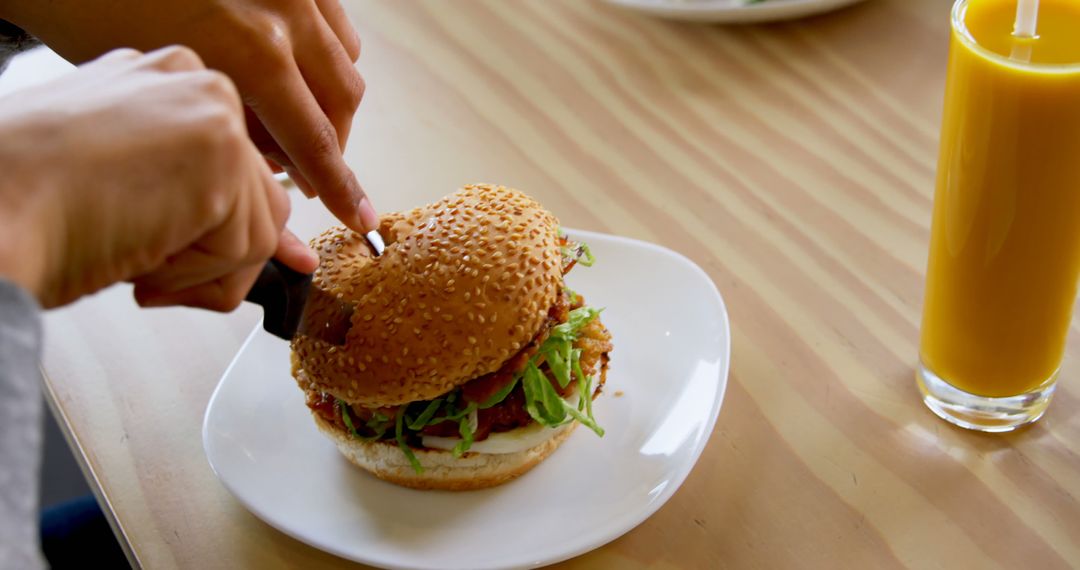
291,305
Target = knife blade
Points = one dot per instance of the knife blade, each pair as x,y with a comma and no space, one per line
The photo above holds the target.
291,305
285,296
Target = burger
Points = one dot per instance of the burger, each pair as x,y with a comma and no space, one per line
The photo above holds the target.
468,359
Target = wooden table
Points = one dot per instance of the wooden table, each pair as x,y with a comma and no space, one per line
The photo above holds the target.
793,162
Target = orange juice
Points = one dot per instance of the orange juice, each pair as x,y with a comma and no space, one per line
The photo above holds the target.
1005,239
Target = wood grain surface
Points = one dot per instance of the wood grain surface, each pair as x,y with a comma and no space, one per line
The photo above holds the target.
794,162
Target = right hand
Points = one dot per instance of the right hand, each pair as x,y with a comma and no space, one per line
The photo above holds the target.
291,59
138,168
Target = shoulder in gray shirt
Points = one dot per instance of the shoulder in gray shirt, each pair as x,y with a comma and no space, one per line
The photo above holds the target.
20,428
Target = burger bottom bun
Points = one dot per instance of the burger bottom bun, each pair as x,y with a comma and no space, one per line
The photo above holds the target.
441,469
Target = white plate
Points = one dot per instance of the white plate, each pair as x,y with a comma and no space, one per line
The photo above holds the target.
671,355
732,11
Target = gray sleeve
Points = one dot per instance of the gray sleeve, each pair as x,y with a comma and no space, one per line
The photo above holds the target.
12,41
20,428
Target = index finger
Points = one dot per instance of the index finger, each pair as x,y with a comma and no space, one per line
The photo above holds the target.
297,122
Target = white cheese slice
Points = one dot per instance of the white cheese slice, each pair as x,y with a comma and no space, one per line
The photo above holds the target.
511,441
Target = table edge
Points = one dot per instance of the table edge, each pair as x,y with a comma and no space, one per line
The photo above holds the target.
81,459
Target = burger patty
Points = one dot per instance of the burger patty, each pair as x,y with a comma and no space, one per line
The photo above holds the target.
509,414
482,388
594,342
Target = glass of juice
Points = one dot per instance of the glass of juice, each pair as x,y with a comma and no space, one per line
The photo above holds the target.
1005,237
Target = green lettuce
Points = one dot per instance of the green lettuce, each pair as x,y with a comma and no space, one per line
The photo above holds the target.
541,400
343,410
575,251
399,435
465,428
425,417
501,394
378,423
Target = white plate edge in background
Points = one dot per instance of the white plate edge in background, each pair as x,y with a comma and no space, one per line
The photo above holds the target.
724,12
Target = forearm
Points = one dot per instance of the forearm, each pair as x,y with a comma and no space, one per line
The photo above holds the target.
25,191
16,12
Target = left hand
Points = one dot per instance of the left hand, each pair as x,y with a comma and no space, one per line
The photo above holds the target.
136,167
292,61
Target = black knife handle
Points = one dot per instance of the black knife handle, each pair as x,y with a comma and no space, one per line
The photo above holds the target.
282,293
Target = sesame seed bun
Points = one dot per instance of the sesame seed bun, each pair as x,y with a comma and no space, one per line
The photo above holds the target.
462,285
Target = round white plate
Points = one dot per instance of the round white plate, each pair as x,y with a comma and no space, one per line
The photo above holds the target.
732,11
670,363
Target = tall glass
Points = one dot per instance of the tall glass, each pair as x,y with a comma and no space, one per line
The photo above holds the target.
1005,237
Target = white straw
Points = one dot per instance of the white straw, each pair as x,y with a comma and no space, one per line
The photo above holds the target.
1027,16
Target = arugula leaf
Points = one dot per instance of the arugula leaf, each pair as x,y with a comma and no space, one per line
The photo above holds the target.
344,410
501,395
583,249
570,293
451,415
400,437
377,423
425,416
586,394
465,428
576,252
568,358
378,426
541,400
583,383
559,364
585,420
576,321
532,393
553,403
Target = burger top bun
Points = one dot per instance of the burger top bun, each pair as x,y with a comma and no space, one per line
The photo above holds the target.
462,285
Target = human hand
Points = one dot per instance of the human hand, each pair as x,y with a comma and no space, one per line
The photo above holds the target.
137,168
292,61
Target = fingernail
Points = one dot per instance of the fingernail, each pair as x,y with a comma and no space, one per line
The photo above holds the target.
369,220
